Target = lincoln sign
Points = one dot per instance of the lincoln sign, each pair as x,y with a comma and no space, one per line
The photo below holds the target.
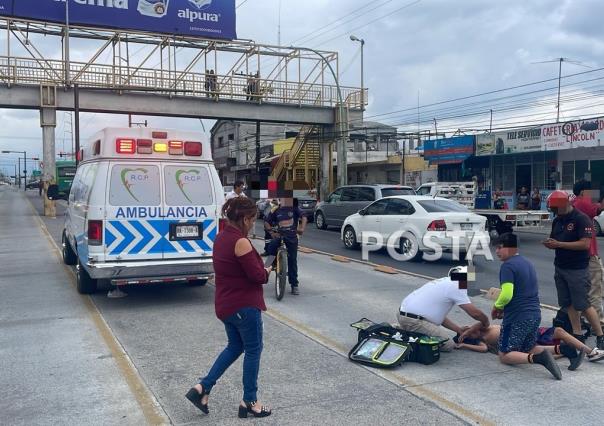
549,137
201,18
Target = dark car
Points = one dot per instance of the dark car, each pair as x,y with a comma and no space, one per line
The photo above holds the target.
307,205
33,184
349,199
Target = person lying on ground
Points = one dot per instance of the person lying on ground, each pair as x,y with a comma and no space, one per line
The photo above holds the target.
555,339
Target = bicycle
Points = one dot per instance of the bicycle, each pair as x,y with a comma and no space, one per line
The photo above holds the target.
280,266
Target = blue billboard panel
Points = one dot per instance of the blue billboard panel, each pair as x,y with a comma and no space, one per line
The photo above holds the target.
449,150
202,18
6,7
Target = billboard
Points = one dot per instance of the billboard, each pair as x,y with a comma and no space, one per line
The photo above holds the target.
573,134
510,142
449,150
202,18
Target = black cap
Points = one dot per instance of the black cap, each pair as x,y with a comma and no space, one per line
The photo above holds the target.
508,240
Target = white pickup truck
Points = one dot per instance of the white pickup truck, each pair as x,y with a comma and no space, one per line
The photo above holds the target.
498,221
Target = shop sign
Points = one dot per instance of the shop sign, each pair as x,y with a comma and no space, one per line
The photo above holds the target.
573,134
510,142
449,150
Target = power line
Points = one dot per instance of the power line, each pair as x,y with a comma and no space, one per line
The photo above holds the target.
371,22
325,28
571,96
480,94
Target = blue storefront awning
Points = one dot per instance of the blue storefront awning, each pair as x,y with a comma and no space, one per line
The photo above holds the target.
449,150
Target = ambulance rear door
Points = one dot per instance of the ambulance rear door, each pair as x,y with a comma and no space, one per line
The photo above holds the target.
190,209
134,223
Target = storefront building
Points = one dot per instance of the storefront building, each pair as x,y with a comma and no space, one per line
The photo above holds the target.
547,157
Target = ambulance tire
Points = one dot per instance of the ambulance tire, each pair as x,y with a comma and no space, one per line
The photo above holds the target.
84,283
69,256
197,283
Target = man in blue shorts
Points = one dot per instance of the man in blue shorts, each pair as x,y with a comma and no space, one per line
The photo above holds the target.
518,305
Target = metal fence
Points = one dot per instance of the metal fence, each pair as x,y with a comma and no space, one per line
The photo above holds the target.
28,71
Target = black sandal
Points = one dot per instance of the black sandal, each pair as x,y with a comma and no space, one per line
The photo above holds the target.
243,411
195,397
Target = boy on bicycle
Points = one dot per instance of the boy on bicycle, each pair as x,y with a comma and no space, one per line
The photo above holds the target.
291,222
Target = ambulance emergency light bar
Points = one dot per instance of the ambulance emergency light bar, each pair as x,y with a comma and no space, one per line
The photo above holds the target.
148,146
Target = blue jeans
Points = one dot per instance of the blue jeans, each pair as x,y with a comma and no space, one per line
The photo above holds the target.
291,243
244,333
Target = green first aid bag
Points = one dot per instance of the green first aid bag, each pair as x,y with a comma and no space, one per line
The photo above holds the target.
421,348
426,349
378,351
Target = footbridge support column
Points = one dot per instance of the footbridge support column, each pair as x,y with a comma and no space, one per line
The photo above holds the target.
48,121
326,178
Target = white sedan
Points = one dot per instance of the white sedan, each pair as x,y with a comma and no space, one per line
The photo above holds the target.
413,224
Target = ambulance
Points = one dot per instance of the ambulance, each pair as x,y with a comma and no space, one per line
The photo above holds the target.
144,207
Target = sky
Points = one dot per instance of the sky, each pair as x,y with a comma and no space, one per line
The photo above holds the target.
415,53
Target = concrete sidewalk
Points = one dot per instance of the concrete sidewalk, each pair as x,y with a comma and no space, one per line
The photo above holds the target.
57,367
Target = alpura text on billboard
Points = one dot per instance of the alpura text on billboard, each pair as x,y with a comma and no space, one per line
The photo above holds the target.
201,18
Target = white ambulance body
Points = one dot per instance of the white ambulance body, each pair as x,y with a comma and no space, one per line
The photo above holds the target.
144,207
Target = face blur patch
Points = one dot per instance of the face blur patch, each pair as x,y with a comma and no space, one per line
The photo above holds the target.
558,202
462,278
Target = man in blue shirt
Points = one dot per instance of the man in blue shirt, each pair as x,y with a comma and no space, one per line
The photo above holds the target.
290,221
518,305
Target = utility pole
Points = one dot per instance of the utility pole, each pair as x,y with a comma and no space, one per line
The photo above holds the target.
559,80
257,147
560,60
491,122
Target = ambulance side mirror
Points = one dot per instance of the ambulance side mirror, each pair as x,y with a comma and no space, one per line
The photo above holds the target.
52,193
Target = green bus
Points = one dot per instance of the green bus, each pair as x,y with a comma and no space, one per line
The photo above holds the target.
66,170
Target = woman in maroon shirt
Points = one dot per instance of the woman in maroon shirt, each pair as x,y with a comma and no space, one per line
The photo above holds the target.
239,301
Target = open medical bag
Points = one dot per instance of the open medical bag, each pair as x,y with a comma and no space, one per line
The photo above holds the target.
382,345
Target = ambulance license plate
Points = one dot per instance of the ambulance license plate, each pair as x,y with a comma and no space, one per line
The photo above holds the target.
186,231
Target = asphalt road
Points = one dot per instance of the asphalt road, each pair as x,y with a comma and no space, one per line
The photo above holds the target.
487,272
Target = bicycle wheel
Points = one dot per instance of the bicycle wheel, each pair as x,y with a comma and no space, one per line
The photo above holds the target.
281,274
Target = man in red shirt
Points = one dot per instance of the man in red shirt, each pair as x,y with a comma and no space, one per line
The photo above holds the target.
585,205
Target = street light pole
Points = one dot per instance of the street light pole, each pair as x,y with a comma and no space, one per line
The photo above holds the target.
362,41
67,61
24,171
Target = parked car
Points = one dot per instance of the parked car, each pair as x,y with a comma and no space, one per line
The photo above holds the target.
307,204
261,205
599,224
33,184
349,199
416,215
